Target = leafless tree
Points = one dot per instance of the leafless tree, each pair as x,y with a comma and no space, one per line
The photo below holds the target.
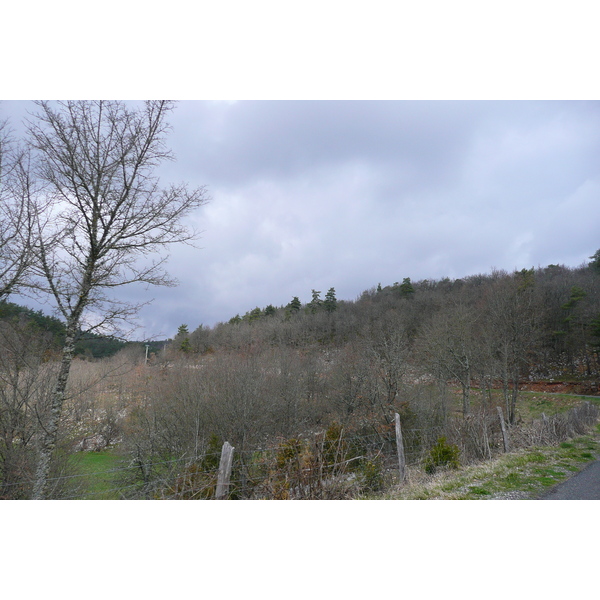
17,213
448,345
388,349
512,314
24,392
110,220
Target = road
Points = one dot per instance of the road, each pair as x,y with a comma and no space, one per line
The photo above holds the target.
583,486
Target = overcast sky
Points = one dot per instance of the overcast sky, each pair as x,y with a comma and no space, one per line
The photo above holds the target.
348,194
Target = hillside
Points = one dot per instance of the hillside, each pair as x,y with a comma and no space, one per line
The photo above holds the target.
89,345
307,393
540,323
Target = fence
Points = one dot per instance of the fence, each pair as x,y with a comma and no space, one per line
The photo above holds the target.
334,464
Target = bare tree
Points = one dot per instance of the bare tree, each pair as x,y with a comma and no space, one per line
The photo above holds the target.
24,391
512,314
388,349
449,347
110,220
16,213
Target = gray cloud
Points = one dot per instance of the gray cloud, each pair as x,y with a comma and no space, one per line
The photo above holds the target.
348,194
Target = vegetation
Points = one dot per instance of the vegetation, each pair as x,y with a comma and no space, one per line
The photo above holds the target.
306,393
442,454
524,474
83,213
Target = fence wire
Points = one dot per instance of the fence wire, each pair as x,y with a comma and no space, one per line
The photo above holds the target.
266,471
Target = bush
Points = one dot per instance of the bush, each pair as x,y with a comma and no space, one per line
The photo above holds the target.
442,455
370,474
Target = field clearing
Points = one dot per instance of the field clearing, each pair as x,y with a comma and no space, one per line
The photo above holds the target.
530,405
100,470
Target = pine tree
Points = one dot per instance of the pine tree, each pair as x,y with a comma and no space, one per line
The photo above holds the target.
595,264
407,289
315,303
183,338
295,305
254,315
330,303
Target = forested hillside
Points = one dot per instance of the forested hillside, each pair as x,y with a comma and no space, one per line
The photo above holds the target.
444,354
88,345
307,393
533,323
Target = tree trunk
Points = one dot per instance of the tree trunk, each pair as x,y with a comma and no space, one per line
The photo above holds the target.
50,428
466,396
513,399
505,438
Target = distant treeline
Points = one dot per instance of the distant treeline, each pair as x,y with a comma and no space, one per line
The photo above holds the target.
89,345
552,313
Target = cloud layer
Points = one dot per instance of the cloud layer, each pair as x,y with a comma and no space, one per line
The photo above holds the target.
347,194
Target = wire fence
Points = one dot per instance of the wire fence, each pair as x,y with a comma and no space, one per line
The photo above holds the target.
324,465
187,475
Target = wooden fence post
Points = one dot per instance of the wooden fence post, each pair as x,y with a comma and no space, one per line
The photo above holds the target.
505,438
224,471
400,446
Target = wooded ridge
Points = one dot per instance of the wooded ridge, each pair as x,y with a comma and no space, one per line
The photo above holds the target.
307,393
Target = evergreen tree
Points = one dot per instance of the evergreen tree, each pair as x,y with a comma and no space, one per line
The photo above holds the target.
295,305
526,278
254,315
315,303
182,338
575,325
407,289
595,264
330,303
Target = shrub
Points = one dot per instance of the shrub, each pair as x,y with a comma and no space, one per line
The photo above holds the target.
442,455
289,453
370,474
334,446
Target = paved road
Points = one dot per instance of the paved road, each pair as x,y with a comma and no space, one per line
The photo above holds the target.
583,486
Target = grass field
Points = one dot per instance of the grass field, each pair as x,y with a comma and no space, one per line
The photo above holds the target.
101,471
530,404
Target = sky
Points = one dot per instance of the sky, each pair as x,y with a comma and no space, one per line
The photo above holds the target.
347,194
344,148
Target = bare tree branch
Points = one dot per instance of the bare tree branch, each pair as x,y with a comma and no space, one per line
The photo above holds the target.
109,213
17,214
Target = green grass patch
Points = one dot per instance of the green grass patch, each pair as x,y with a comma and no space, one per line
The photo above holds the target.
479,491
548,472
100,472
523,474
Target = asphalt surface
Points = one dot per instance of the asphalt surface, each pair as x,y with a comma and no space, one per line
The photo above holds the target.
583,486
